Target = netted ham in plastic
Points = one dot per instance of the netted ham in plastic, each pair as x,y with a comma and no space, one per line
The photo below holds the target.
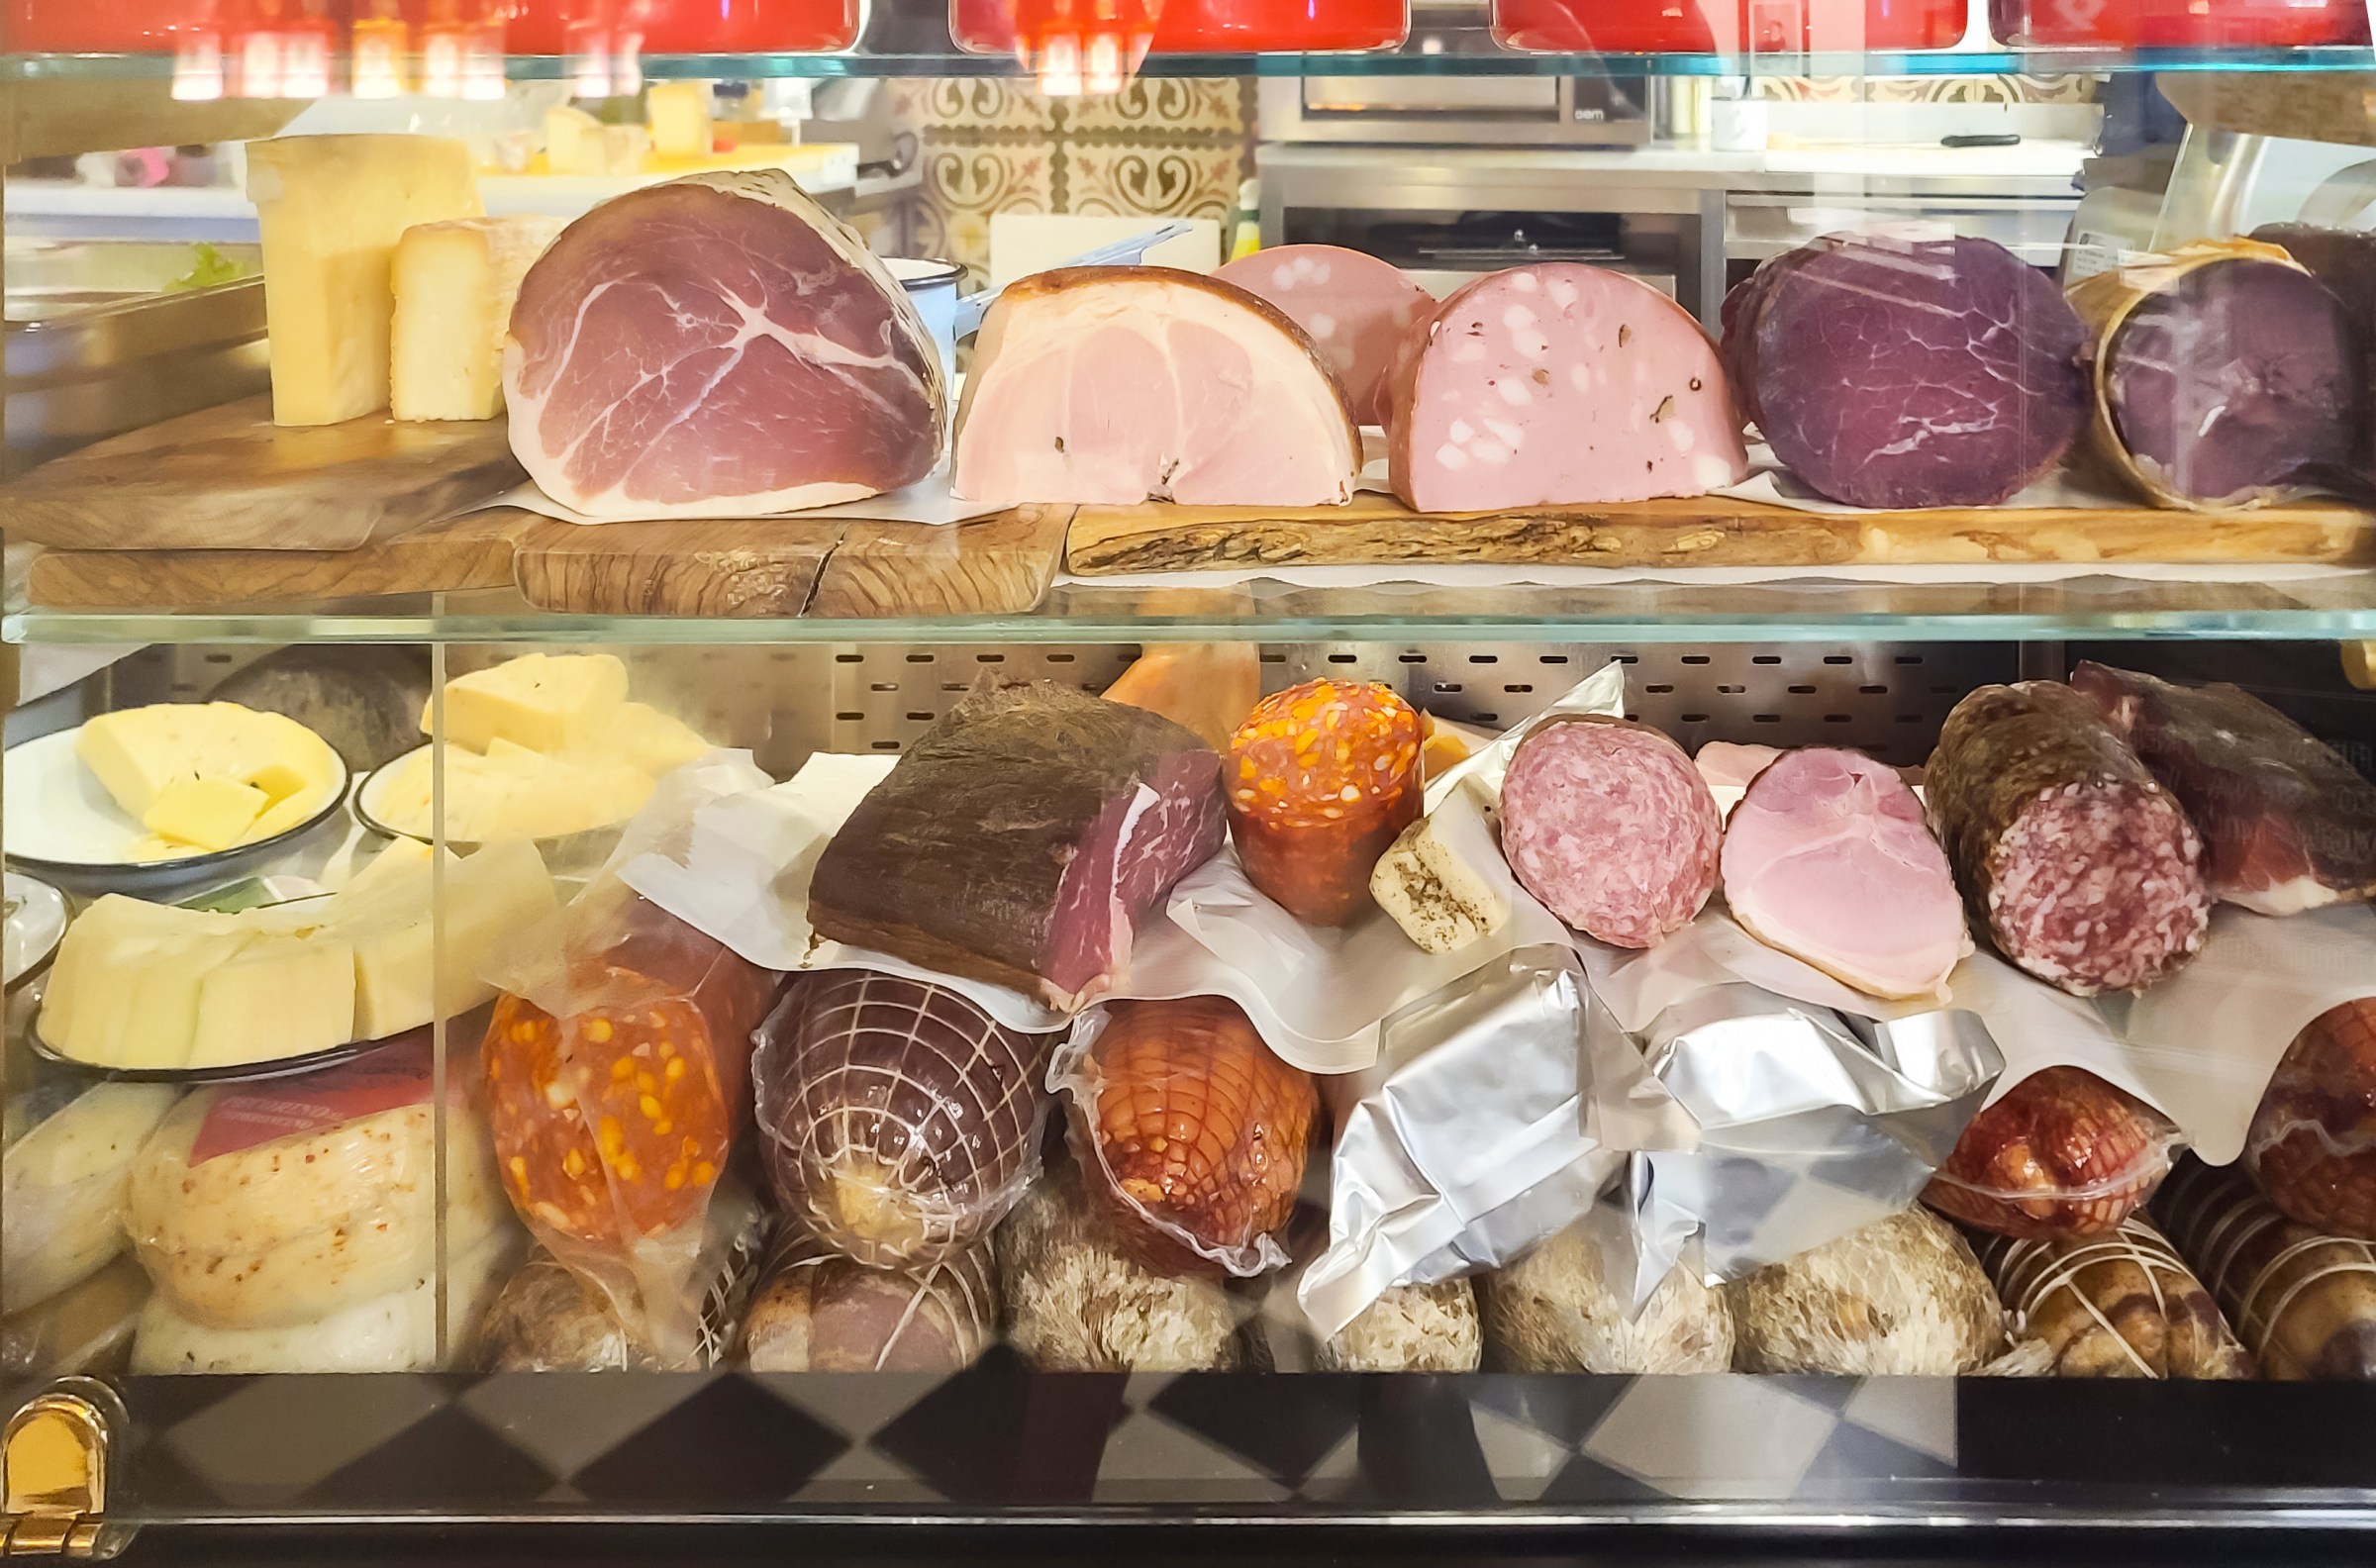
818,1311
1186,1123
2119,1305
2063,1154
1904,1296
901,1122
2302,1302
2312,1146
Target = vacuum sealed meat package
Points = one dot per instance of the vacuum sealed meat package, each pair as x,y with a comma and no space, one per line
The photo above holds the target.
1904,1296
816,1310
1321,778
616,1085
2062,1154
2287,824
1190,1131
2080,865
2120,1306
2302,1301
899,1121
2312,1146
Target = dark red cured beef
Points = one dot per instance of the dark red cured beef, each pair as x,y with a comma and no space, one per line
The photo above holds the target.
1892,372
2080,867
2063,1154
717,345
1608,824
900,1121
2312,1146
1022,839
2236,381
2287,825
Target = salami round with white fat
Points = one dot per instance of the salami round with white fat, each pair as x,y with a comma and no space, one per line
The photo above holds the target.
1610,825
1356,308
1888,371
2082,869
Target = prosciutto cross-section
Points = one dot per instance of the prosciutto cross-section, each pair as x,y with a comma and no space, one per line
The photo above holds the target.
1358,308
718,346
1558,383
1116,385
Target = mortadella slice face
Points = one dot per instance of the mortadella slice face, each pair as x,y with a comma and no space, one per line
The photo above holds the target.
718,346
1116,385
1553,384
1358,308
1828,857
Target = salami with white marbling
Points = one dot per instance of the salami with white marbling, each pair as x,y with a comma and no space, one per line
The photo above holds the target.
1608,823
2080,867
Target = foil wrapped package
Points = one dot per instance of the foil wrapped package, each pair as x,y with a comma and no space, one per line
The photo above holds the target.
1467,1144
1812,1124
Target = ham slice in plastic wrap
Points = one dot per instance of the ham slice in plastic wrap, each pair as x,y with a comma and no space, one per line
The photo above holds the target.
1115,385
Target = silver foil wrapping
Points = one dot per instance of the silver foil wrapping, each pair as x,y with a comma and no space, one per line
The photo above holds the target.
1812,1124
1468,1141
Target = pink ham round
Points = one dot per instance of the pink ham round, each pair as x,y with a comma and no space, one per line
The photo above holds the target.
1356,307
1116,385
1827,857
1558,383
1612,828
718,346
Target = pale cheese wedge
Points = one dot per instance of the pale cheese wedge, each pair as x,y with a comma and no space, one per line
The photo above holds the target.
456,283
277,996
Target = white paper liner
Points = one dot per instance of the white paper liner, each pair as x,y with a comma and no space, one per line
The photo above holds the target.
927,501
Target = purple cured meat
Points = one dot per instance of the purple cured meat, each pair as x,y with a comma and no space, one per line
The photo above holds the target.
1022,839
1608,823
2235,381
2344,259
900,1121
2082,869
1893,373
2287,825
718,346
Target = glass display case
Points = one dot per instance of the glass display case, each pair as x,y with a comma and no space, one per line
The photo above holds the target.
1547,772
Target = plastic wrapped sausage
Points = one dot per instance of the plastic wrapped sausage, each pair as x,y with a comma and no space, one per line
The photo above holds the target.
1190,1128
615,1089
2312,1145
2120,1306
2303,1303
1322,777
816,1310
2063,1154
900,1121
64,1182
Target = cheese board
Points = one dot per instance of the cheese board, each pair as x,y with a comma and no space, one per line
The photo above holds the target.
228,478
1701,530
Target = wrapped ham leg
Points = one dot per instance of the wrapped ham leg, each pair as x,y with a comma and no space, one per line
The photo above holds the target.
1207,688
1902,1296
2312,1145
2062,1154
2116,1305
2303,1303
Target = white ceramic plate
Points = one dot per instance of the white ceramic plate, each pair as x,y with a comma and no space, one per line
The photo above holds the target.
36,923
57,821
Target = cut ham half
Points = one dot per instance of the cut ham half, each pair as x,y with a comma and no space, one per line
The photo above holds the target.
718,346
1827,857
1116,385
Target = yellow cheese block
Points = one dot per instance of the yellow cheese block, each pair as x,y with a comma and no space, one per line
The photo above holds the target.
140,755
147,1015
545,701
211,813
653,742
392,866
100,937
282,817
331,210
456,283
400,984
679,115
573,138
276,997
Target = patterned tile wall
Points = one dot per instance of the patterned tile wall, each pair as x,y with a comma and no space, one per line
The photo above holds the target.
2065,89
1171,147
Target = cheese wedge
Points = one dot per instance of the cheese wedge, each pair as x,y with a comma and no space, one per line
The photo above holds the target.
454,286
149,758
276,997
1442,880
211,813
332,210
400,984
679,116
653,742
545,701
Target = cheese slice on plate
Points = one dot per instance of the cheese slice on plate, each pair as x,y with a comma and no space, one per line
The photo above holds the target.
276,998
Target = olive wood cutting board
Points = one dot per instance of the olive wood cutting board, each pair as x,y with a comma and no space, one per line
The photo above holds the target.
228,478
1001,564
1701,531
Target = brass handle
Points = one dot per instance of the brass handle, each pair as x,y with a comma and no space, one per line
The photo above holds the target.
54,1471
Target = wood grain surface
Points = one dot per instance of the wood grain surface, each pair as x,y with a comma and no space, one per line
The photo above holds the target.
473,550
994,565
727,567
229,478
1701,531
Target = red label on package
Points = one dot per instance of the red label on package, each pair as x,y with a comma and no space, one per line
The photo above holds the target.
387,1079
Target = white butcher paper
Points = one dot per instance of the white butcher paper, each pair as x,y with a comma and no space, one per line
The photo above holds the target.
2208,1039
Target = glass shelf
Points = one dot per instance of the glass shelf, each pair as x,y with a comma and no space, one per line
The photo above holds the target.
2338,602
1464,61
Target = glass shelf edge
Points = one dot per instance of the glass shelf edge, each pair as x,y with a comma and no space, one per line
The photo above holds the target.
1996,61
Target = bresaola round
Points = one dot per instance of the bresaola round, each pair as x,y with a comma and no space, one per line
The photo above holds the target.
1557,384
718,346
1607,823
1356,308
1887,371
